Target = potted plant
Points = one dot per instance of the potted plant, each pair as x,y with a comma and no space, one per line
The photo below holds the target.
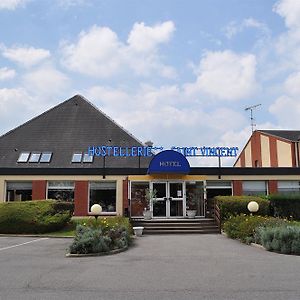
150,197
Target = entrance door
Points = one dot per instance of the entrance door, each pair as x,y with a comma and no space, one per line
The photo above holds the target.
169,199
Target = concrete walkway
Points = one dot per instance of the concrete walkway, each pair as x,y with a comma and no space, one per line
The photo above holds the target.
157,267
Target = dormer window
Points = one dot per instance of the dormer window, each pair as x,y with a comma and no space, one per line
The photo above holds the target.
23,158
46,157
87,158
34,157
77,157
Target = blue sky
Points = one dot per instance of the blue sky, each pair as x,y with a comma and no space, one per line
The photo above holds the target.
174,72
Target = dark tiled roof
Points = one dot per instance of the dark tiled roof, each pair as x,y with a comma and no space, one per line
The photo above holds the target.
291,135
69,127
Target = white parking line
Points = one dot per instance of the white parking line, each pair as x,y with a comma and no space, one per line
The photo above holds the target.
14,246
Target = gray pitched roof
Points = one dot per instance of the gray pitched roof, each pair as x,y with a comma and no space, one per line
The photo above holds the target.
291,135
69,127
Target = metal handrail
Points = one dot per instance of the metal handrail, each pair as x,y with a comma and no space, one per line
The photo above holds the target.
217,215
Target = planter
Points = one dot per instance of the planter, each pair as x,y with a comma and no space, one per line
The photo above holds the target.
138,231
191,213
147,214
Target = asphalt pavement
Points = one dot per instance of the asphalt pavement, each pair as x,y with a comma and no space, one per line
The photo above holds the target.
156,267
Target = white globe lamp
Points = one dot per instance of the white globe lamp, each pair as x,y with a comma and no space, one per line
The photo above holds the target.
253,206
96,210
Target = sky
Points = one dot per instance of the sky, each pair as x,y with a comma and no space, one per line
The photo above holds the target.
176,72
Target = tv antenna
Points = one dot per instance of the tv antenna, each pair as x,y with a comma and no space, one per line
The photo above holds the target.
251,108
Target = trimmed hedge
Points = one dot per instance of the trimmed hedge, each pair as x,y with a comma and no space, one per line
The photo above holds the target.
37,216
236,205
285,206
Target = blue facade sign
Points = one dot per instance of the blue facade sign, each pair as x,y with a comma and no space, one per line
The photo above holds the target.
169,161
146,151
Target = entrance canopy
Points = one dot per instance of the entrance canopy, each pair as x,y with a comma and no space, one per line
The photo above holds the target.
169,161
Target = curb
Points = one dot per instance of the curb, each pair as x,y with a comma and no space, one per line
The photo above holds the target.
116,251
258,246
35,235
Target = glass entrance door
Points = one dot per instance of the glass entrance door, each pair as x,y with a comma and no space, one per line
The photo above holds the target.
169,199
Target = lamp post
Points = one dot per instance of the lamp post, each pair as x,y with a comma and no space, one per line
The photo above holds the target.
253,207
96,210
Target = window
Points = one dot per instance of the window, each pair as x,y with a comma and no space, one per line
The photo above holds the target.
61,190
87,158
34,157
46,157
195,197
76,158
18,191
218,184
23,158
138,201
288,187
254,188
103,193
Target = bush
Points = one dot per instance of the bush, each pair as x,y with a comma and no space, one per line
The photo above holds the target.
105,222
282,239
32,216
93,239
285,206
236,205
243,227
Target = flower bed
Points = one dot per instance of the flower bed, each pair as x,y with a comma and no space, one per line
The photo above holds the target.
274,234
100,238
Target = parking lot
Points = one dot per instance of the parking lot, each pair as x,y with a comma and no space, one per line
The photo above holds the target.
156,267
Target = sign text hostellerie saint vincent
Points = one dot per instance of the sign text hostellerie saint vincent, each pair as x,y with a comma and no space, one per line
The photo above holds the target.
147,151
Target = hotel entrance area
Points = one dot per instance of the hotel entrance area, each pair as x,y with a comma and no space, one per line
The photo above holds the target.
171,198
174,198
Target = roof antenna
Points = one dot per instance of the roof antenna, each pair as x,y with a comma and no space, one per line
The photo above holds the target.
251,108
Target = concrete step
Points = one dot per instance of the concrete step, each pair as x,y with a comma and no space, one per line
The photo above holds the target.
180,231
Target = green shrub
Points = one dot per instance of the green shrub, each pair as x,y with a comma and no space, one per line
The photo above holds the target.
62,206
32,217
93,239
243,227
282,239
285,205
104,222
236,205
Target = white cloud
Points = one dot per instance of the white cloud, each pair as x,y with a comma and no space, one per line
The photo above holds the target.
145,38
225,75
99,52
287,110
288,43
12,4
26,56
6,73
71,3
45,80
233,28
290,11
292,84
16,107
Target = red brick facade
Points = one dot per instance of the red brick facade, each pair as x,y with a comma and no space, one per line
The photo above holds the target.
272,186
81,198
237,188
39,188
